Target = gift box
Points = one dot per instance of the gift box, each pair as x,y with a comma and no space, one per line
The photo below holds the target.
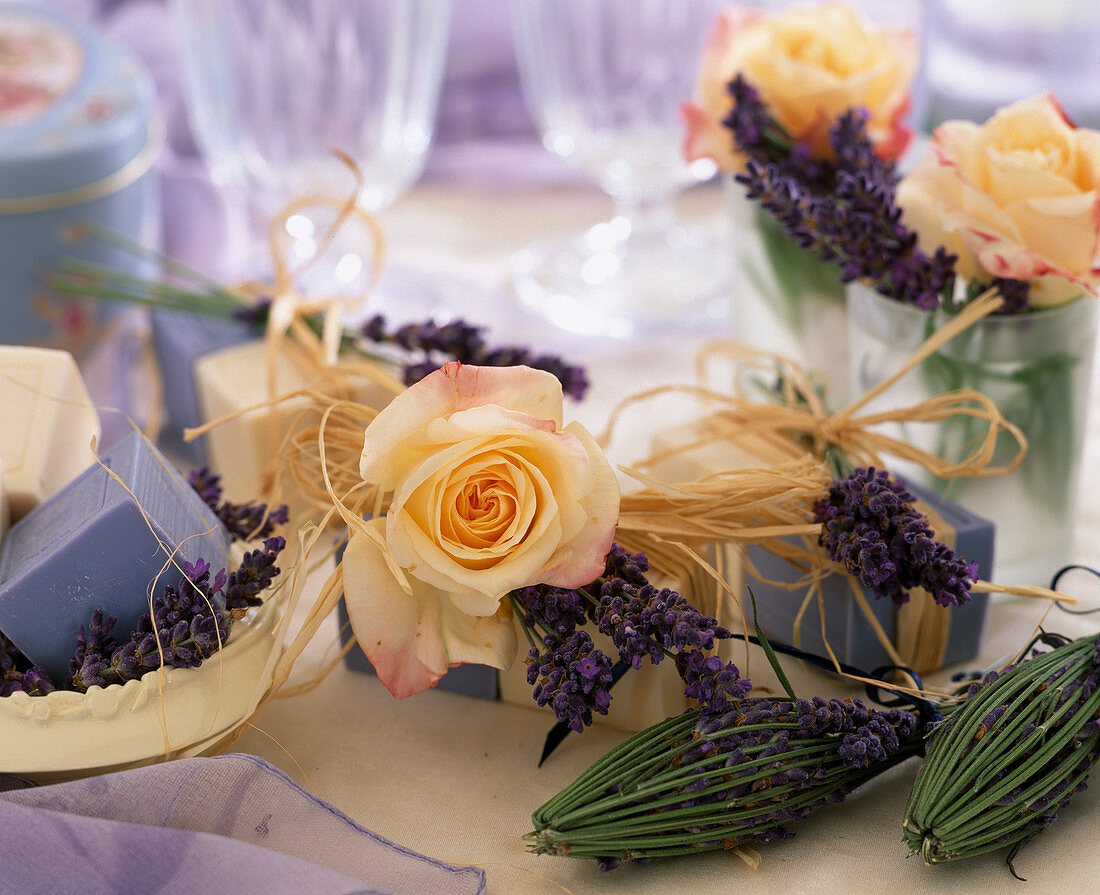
77,145
179,341
925,635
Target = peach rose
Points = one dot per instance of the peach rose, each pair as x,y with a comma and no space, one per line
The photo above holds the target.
1016,197
489,493
810,66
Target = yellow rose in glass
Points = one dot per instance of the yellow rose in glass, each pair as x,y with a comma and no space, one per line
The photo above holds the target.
810,66
1017,197
489,493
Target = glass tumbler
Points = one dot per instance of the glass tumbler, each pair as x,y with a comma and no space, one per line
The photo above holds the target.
274,86
604,80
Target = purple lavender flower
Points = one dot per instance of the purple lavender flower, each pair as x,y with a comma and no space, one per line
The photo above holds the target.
571,676
561,611
871,527
243,521
253,576
17,675
189,622
647,621
709,680
465,343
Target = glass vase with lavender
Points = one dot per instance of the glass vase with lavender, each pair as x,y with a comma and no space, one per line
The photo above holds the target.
802,69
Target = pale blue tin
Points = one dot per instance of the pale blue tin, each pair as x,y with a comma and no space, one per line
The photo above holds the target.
77,144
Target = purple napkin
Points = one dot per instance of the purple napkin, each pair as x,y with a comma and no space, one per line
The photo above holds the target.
220,826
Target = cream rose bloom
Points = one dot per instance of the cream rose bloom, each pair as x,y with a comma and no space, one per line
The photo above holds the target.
810,66
489,493
1016,197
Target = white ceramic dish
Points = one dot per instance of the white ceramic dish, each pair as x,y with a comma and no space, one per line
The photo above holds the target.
170,713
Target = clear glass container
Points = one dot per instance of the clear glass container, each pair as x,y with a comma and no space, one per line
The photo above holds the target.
1037,368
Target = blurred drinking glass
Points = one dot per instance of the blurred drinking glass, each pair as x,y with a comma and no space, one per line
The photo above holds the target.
274,86
604,80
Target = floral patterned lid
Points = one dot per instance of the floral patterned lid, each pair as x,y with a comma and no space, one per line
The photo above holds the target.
73,109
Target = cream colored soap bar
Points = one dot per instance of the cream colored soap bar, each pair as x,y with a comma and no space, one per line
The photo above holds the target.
49,424
241,449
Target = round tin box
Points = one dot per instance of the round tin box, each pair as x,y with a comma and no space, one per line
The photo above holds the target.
77,145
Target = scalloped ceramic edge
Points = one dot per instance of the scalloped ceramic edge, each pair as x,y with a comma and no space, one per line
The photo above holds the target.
169,713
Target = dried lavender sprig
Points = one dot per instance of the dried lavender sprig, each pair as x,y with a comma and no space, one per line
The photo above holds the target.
1003,765
842,207
465,343
571,676
643,621
871,526
699,782
243,521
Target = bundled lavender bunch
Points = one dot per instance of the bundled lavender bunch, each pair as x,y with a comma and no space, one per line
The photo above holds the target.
872,528
1005,763
843,208
722,779
644,622
190,621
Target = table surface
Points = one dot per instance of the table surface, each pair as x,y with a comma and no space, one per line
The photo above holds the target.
456,777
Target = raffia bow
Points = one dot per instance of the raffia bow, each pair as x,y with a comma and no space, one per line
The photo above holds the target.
793,435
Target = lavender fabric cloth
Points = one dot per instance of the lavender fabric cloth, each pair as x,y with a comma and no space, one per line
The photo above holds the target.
231,825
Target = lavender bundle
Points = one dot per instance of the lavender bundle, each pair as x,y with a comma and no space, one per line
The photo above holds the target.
1003,765
429,343
844,208
720,780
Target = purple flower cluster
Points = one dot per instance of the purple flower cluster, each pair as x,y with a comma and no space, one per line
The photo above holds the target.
713,683
572,677
561,611
243,521
642,621
188,624
843,208
465,343
647,621
17,675
871,527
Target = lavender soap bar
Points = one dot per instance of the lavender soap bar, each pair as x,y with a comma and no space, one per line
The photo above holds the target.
99,543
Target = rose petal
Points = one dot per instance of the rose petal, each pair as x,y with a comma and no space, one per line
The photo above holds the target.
580,560
412,639
391,442
400,632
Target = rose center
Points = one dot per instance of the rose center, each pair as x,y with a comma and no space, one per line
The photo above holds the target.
485,508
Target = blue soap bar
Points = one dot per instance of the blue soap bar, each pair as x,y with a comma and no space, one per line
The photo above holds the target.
90,547
479,681
179,340
850,634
